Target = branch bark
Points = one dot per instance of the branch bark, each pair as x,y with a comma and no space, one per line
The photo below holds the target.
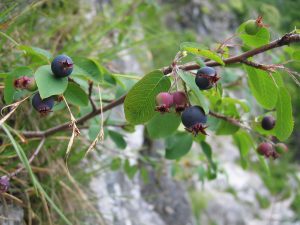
284,40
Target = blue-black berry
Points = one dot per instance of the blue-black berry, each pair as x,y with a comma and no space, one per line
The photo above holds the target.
206,77
62,66
43,106
194,119
268,122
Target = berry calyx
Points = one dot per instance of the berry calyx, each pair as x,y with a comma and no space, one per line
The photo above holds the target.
268,123
206,77
180,101
25,82
62,66
194,120
43,106
281,148
164,102
266,149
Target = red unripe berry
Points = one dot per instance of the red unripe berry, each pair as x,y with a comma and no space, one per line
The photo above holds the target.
266,149
25,82
164,102
180,101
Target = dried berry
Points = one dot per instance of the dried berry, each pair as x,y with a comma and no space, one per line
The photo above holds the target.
194,120
164,102
25,82
62,66
180,101
268,122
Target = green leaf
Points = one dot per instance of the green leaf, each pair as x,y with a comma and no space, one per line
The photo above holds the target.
9,90
189,79
47,84
178,145
296,55
244,143
139,104
118,139
75,95
226,128
262,87
34,51
261,38
88,68
130,170
115,164
284,115
208,153
163,125
198,50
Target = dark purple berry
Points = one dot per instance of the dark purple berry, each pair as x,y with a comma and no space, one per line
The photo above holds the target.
206,77
194,119
62,66
43,106
4,184
268,122
180,101
164,102
281,148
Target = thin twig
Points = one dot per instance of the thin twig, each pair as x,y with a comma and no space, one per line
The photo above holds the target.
285,40
90,96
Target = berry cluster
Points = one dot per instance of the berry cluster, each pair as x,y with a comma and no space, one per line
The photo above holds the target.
61,66
165,101
268,149
193,117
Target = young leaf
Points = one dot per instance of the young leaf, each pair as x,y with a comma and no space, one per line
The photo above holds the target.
130,170
75,95
47,84
189,79
139,104
263,87
284,115
118,139
163,125
178,145
198,50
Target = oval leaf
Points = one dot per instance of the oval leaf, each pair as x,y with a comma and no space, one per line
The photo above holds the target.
47,84
75,95
139,103
163,125
178,145
284,122
118,139
88,68
262,87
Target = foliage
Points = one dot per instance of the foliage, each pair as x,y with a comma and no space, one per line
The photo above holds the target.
94,88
